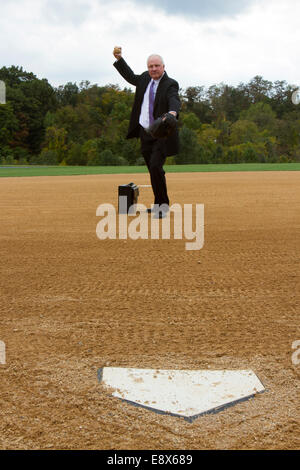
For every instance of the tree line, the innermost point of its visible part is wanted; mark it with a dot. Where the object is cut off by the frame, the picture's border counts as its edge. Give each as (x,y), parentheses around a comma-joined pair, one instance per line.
(86,124)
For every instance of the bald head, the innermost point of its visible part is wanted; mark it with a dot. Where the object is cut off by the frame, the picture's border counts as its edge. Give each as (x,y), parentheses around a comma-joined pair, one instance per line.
(156,66)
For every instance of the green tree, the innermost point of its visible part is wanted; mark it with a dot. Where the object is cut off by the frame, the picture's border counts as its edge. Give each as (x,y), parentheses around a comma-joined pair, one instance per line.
(191,121)
(91,150)
(189,148)
(259,89)
(262,114)
(75,155)
(8,124)
(55,140)
(67,94)
(243,131)
(31,98)
(208,136)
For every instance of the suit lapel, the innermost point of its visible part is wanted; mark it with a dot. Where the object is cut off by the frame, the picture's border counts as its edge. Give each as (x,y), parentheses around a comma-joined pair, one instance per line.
(145,83)
(159,88)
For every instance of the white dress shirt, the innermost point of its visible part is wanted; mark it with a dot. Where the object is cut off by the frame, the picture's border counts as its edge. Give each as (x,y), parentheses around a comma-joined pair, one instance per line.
(144,116)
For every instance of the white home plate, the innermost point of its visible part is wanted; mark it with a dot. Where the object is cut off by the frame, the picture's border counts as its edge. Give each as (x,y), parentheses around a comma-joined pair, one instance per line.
(185,393)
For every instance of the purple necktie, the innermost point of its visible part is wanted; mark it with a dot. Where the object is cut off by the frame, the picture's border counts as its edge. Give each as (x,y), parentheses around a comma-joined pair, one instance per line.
(151,103)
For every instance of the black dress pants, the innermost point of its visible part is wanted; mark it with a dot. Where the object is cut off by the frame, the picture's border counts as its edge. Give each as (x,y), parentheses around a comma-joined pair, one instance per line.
(154,153)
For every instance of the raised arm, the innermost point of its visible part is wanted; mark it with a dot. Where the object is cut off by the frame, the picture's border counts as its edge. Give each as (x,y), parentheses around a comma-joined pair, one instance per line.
(123,68)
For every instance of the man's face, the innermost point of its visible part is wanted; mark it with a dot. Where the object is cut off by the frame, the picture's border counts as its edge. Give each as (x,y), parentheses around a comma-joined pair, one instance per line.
(155,67)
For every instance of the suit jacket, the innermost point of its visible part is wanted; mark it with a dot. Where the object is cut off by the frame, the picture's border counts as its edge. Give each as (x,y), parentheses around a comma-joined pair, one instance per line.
(166,99)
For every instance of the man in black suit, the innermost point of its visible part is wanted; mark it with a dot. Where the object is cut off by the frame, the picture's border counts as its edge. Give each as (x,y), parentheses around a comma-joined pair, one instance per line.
(156,94)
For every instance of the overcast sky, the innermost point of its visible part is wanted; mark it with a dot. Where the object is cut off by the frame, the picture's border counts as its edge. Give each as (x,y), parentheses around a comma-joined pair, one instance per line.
(203,42)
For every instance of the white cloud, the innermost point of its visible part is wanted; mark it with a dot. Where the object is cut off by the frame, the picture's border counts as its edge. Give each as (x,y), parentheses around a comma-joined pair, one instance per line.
(73,41)
(200,8)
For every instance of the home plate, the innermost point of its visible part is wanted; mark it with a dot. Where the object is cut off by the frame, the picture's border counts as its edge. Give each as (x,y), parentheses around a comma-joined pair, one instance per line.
(183,393)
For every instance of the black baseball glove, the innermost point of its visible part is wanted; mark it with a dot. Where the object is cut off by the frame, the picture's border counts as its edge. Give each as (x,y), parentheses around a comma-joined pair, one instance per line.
(163,126)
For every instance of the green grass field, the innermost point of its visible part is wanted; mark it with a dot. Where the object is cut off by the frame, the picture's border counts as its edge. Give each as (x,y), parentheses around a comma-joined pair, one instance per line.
(10,171)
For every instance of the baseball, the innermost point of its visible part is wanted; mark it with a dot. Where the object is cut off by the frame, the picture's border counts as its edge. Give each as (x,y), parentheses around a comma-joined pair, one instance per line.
(296,97)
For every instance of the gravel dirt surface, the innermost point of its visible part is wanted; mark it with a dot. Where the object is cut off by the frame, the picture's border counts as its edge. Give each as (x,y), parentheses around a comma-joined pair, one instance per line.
(71,304)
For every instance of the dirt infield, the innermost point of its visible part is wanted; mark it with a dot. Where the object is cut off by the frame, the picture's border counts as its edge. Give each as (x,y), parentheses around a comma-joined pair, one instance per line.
(71,304)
